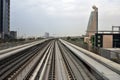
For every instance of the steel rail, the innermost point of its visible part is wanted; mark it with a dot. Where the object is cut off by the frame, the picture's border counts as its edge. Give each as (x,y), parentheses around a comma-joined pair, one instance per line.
(41,77)
(51,69)
(80,71)
(61,70)
(39,67)
(68,66)
(29,66)
(12,67)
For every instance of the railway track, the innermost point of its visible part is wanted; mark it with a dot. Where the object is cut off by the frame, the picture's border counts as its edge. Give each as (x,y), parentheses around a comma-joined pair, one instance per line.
(49,60)
(77,67)
(61,66)
(10,65)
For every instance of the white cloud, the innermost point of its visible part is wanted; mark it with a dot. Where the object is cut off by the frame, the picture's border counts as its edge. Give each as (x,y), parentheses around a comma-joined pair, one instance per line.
(60,7)
(62,15)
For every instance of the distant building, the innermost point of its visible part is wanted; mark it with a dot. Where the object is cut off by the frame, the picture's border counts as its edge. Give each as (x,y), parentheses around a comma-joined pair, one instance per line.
(107,40)
(4,18)
(116,27)
(13,34)
(46,35)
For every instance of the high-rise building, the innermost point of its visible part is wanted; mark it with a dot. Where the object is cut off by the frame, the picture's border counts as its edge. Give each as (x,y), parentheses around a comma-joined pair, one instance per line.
(4,18)
(13,34)
(46,35)
(92,27)
(93,22)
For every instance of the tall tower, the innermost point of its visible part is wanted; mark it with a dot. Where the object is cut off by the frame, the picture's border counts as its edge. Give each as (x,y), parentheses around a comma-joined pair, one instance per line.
(93,22)
(4,18)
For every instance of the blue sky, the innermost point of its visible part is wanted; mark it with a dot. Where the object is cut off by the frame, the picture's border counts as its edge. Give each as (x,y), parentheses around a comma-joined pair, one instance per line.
(61,17)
